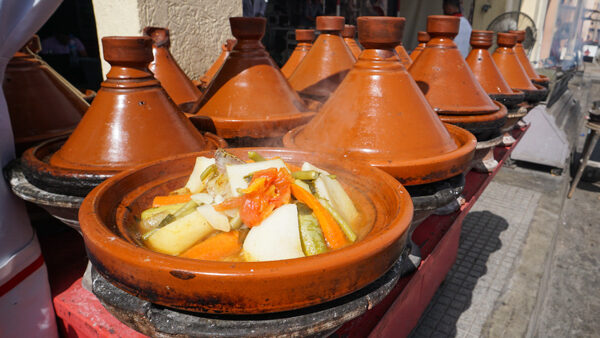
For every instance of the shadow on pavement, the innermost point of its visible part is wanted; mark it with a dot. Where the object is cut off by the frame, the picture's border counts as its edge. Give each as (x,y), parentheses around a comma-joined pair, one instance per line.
(480,237)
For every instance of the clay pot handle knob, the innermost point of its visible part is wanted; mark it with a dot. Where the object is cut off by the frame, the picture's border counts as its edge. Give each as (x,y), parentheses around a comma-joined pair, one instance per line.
(159,35)
(128,50)
(248,28)
(380,32)
(423,37)
(507,40)
(443,25)
(34,44)
(482,39)
(349,31)
(305,35)
(520,35)
(330,23)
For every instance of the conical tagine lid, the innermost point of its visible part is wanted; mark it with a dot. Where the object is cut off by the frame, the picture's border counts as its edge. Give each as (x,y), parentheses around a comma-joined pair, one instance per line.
(132,119)
(444,76)
(379,115)
(212,71)
(41,103)
(507,61)
(522,56)
(305,38)
(485,70)
(166,70)
(327,62)
(423,38)
(348,34)
(404,57)
(483,66)
(249,96)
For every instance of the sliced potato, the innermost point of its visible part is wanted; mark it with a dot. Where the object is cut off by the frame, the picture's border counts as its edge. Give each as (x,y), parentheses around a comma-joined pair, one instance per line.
(180,235)
(216,219)
(237,172)
(194,183)
(277,237)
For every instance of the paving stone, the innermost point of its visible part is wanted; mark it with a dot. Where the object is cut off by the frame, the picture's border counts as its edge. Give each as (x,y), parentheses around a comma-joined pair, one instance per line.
(491,240)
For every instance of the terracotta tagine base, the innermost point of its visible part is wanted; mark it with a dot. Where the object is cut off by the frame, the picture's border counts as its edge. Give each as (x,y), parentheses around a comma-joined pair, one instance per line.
(483,127)
(537,95)
(249,97)
(239,288)
(510,101)
(59,190)
(320,320)
(544,82)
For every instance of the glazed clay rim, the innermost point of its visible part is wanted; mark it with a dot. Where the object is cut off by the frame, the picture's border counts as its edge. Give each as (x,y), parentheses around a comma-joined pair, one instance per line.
(421,170)
(101,241)
(275,126)
(32,160)
(499,114)
(540,79)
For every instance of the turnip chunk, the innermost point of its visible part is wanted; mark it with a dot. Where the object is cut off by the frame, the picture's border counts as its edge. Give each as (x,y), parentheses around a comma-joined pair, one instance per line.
(277,237)
(194,183)
(202,198)
(331,190)
(237,172)
(216,219)
(178,236)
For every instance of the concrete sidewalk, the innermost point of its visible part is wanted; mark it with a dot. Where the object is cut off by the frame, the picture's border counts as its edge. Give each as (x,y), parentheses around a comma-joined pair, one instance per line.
(527,263)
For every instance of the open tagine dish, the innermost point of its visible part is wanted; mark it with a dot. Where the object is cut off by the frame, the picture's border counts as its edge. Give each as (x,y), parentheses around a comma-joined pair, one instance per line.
(245,231)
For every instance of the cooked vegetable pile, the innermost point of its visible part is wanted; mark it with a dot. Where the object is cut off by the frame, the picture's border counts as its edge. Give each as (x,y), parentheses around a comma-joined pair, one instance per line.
(259,210)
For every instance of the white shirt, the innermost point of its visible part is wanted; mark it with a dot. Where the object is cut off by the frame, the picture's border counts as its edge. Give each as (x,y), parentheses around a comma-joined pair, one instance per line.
(463,37)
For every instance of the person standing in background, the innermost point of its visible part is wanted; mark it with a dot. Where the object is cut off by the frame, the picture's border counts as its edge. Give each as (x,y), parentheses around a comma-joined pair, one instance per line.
(452,7)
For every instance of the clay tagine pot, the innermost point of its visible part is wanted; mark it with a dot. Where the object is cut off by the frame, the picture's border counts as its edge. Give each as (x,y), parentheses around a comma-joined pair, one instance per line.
(349,33)
(379,116)
(249,97)
(166,70)
(206,79)
(305,38)
(131,121)
(242,287)
(522,55)
(513,72)
(439,67)
(325,65)
(487,73)
(41,103)
(423,38)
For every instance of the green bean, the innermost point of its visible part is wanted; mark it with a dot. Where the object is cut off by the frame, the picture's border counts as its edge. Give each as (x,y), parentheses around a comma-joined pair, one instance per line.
(333,177)
(306,175)
(346,229)
(210,171)
(186,209)
(311,235)
(256,157)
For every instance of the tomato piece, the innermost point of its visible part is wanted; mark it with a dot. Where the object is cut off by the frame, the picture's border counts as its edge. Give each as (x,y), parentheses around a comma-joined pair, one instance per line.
(268,190)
